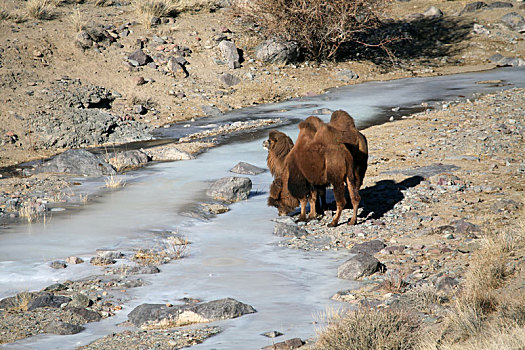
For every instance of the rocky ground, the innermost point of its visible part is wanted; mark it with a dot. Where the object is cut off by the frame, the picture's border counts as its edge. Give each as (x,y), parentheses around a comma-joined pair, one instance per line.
(437,181)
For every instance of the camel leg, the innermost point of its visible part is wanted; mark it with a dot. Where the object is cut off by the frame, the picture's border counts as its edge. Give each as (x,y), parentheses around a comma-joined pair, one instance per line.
(313,201)
(353,190)
(339,194)
(302,216)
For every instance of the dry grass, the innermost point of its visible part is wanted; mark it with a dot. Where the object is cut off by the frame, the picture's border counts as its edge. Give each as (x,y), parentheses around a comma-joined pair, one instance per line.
(422,298)
(40,9)
(115,181)
(368,329)
(147,9)
(28,212)
(172,248)
(102,3)
(78,20)
(395,282)
(4,14)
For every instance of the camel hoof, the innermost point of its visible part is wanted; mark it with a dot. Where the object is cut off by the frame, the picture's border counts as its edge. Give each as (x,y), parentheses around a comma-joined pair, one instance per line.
(332,224)
(352,222)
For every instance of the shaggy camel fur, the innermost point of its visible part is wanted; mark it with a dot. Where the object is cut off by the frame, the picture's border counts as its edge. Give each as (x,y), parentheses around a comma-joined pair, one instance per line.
(318,158)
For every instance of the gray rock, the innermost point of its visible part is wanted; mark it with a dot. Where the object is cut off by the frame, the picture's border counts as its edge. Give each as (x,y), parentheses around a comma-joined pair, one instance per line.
(230,53)
(55,287)
(358,266)
(433,12)
(285,227)
(230,189)
(139,109)
(73,260)
(274,51)
(79,300)
(167,153)
(101,261)
(370,247)
(446,283)
(76,161)
(47,300)
(500,5)
(464,227)
(229,79)
(473,6)
(176,68)
(346,75)
(246,169)
(62,328)
(288,344)
(134,270)
(84,40)
(127,159)
(152,314)
(86,314)
(514,21)
(58,264)
(211,110)
(110,254)
(138,58)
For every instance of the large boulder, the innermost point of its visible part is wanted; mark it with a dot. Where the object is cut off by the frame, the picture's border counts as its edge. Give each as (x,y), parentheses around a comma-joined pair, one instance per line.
(230,189)
(285,227)
(370,247)
(127,159)
(77,161)
(274,51)
(230,53)
(360,265)
(62,328)
(161,314)
(514,21)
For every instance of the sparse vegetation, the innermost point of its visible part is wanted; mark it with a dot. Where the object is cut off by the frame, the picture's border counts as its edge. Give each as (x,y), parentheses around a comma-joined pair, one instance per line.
(102,3)
(4,14)
(28,212)
(39,9)
(368,329)
(172,248)
(148,9)
(78,21)
(115,181)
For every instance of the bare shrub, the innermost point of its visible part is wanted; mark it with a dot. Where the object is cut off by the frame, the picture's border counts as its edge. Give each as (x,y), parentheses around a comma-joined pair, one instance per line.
(4,14)
(422,298)
(368,329)
(320,27)
(148,9)
(39,9)
(103,3)
(78,21)
(114,181)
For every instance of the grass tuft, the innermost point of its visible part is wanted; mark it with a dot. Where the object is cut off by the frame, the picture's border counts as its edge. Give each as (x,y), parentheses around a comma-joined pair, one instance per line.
(148,9)
(40,9)
(172,248)
(115,181)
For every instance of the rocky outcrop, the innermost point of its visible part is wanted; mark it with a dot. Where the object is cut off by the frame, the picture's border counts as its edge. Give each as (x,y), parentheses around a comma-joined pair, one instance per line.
(358,266)
(76,161)
(230,189)
(274,51)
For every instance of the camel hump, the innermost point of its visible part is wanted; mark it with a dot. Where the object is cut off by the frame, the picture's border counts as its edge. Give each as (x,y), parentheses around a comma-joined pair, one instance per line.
(342,120)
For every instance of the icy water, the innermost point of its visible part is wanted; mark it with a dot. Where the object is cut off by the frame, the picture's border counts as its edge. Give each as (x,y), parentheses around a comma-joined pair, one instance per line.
(233,255)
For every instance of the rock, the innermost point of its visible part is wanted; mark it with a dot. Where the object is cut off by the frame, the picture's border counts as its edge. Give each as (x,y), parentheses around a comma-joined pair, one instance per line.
(274,51)
(446,283)
(73,260)
(229,79)
(514,21)
(162,314)
(176,68)
(473,6)
(58,264)
(346,75)
(47,300)
(139,81)
(138,58)
(272,334)
(246,169)
(211,111)
(55,287)
(62,328)
(370,247)
(433,12)
(466,228)
(230,189)
(289,344)
(500,5)
(86,314)
(167,153)
(230,53)
(155,21)
(358,266)
(101,261)
(285,227)
(84,40)
(139,109)
(76,161)
(127,159)
(393,249)
(127,270)
(79,300)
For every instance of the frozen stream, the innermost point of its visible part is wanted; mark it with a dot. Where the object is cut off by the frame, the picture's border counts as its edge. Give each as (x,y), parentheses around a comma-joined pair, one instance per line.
(232,255)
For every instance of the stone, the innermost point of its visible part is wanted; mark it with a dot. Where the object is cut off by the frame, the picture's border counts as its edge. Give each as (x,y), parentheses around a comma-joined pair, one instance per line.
(229,79)
(101,261)
(139,81)
(127,159)
(167,153)
(55,287)
(84,40)
(79,300)
(138,58)
(110,254)
(289,344)
(62,328)
(76,161)
(86,314)
(246,169)
(230,189)
(286,227)
(58,264)
(211,110)
(276,51)
(370,247)
(466,228)
(473,6)
(272,334)
(168,315)
(446,283)
(139,109)
(514,21)
(360,265)
(433,12)
(230,53)
(346,75)
(500,5)
(73,260)
(176,69)
(47,300)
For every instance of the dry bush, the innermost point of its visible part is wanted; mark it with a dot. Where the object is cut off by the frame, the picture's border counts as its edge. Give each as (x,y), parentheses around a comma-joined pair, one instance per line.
(148,9)
(115,181)
(39,9)
(369,329)
(28,212)
(320,27)
(4,14)
(78,21)
(422,298)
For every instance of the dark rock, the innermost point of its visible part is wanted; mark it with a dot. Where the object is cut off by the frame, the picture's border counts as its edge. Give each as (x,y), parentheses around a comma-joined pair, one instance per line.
(346,75)
(57,287)
(358,266)
(446,283)
(500,5)
(76,161)
(84,40)
(230,189)
(62,328)
(229,79)
(289,344)
(514,21)
(86,314)
(246,169)
(466,228)
(370,247)
(127,159)
(274,51)
(155,21)
(177,69)
(230,53)
(139,58)
(79,300)
(139,109)
(58,264)
(139,81)
(272,334)
(181,314)
(101,261)
(47,300)
(473,6)
(286,227)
